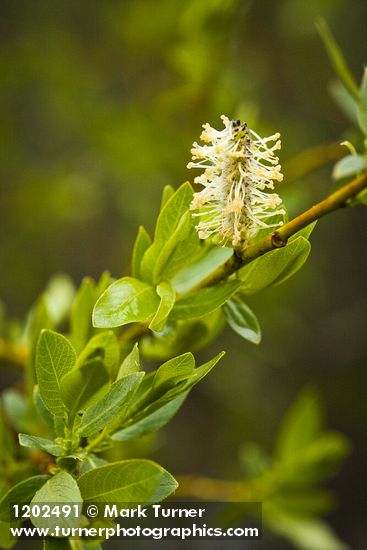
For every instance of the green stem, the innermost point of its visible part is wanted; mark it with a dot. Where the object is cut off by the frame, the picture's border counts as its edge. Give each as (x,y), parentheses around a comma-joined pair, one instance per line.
(337,58)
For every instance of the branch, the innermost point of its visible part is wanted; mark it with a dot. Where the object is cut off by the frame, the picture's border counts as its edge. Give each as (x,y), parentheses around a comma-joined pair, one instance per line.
(16,354)
(279,238)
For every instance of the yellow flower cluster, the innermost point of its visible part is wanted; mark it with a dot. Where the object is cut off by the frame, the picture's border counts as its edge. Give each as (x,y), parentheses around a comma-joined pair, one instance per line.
(240,168)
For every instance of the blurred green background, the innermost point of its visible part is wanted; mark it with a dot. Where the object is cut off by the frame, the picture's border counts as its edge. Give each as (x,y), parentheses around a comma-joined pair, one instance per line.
(100,102)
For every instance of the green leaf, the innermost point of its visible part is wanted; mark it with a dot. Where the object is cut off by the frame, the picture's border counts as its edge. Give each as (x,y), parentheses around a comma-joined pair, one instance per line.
(168,385)
(82,386)
(362,107)
(131,363)
(47,445)
(204,301)
(111,405)
(170,372)
(346,102)
(128,481)
(167,193)
(59,489)
(167,295)
(168,220)
(59,296)
(182,384)
(361,198)
(103,282)
(200,372)
(92,461)
(305,232)
(103,346)
(349,166)
(178,251)
(167,377)
(275,267)
(177,336)
(191,276)
(336,57)
(305,533)
(302,423)
(181,232)
(43,412)
(151,423)
(317,461)
(142,243)
(184,253)
(22,493)
(170,215)
(81,311)
(127,300)
(305,454)
(148,262)
(363,87)
(254,461)
(173,371)
(275,221)
(54,358)
(17,410)
(362,116)
(38,319)
(59,426)
(242,319)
